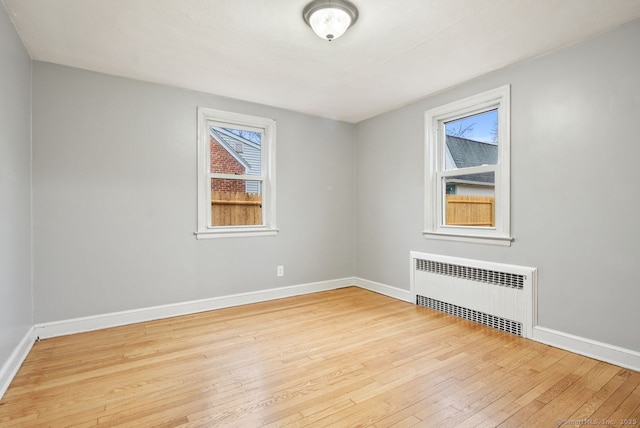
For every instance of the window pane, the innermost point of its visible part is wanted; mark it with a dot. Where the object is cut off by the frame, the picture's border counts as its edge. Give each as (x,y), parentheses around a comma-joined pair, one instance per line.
(236,202)
(235,151)
(470,200)
(472,141)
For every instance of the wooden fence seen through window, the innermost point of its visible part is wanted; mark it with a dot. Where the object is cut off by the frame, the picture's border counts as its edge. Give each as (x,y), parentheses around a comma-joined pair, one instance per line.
(236,209)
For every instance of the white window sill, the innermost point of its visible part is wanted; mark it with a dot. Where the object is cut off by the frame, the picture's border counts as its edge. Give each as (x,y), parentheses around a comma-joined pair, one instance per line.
(235,233)
(462,237)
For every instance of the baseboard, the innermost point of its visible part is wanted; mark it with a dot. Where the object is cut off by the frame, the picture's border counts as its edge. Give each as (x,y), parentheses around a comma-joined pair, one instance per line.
(11,366)
(589,348)
(114,319)
(387,290)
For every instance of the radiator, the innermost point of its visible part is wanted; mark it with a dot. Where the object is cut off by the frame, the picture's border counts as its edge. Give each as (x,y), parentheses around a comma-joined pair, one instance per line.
(493,294)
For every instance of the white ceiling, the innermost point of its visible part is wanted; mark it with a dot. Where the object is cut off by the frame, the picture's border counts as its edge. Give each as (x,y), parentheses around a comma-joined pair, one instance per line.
(262,51)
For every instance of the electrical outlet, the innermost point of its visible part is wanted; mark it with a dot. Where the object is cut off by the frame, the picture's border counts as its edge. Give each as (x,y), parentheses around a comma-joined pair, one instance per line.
(280,271)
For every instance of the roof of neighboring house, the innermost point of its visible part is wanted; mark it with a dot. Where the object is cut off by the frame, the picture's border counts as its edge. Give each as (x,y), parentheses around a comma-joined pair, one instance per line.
(240,148)
(468,153)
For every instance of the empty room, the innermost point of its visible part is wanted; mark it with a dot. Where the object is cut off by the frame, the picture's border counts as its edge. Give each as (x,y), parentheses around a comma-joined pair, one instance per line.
(321,213)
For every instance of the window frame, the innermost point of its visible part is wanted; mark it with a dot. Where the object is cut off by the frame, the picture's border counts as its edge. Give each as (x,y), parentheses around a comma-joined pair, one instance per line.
(268,173)
(435,171)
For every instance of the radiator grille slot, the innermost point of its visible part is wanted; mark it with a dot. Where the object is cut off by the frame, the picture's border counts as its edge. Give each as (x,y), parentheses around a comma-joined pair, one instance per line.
(489,320)
(503,279)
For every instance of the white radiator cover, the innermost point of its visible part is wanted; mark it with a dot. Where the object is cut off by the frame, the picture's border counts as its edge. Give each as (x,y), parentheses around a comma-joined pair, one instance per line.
(494,294)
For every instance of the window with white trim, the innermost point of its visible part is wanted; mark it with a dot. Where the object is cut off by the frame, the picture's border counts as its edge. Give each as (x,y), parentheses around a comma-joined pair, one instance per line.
(467,176)
(236,174)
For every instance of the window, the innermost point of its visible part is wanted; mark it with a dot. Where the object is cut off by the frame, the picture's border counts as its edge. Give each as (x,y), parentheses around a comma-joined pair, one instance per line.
(236,175)
(467,169)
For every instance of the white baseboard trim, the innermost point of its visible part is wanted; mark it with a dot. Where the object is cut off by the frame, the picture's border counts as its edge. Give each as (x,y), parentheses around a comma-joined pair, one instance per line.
(11,366)
(387,290)
(114,319)
(589,348)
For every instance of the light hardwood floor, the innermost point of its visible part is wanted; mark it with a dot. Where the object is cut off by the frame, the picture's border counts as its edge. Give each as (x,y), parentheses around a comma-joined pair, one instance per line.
(341,358)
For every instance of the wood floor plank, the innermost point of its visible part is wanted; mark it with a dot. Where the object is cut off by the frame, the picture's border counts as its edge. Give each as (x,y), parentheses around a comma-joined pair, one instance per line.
(499,410)
(345,357)
(613,402)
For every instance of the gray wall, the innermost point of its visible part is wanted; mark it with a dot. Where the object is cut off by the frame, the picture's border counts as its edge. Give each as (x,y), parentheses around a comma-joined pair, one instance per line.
(575,186)
(15,190)
(114,188)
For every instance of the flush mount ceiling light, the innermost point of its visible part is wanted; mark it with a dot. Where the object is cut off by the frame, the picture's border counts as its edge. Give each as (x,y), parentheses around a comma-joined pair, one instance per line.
(329,19)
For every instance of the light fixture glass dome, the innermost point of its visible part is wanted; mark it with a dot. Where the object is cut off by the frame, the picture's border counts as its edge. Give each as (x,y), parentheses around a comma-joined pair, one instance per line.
(330,23)
(330,19)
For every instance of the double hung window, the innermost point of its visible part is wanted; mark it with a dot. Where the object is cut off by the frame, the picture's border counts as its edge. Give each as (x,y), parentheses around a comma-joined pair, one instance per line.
(467,175)
(236,174)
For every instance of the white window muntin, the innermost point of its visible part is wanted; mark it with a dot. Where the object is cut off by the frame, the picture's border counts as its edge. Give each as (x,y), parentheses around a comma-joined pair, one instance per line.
(267,128)
(435,153)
